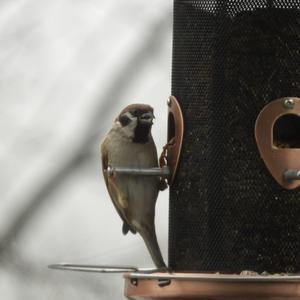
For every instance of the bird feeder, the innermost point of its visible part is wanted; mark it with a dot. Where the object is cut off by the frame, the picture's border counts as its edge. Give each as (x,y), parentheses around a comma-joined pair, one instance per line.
(234,219)
(234,229)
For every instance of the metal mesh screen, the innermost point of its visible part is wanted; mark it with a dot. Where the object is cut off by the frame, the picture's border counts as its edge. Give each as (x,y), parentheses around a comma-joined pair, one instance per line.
(231,58)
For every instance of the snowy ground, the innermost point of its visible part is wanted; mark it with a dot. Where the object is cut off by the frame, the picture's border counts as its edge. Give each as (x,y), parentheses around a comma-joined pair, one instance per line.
(66,69)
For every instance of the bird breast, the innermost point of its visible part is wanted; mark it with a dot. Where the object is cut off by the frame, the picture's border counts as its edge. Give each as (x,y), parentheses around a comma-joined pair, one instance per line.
(140,191)
(124,153)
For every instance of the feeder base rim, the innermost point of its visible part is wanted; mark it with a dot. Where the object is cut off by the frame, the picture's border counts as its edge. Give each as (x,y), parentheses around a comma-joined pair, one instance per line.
(205,286)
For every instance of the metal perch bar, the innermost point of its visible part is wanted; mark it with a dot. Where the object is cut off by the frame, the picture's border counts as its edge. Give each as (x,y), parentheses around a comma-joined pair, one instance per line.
(100,268)
(291,175)
(162,172)
(93,268)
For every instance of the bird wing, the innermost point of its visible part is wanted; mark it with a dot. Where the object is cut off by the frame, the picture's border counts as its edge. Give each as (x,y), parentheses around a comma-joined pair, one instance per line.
(119,200)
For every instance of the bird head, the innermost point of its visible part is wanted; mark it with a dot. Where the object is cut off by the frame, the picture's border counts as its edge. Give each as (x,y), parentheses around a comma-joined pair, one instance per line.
(136,121)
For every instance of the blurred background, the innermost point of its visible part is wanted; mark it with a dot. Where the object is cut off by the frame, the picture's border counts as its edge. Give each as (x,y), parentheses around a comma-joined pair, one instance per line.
(66,70)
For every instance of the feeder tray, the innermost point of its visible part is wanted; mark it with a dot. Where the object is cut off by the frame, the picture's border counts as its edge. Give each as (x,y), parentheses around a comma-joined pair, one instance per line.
(147,283)
(211,286)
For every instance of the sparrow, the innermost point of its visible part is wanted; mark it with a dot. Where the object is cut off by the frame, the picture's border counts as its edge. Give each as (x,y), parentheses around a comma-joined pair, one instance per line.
(129,144)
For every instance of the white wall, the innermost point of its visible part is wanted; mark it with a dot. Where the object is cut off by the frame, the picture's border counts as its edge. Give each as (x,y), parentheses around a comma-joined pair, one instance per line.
(66,69)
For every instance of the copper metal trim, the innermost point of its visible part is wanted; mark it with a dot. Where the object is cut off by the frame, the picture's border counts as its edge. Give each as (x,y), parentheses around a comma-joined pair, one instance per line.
(213,277)
(211,286)
(172,150)
(277,160)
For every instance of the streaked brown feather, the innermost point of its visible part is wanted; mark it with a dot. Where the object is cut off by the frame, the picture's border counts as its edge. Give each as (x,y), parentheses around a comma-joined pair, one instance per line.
(119,201)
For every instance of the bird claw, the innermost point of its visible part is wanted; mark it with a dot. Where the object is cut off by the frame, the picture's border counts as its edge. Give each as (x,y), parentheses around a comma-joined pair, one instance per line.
(162,184)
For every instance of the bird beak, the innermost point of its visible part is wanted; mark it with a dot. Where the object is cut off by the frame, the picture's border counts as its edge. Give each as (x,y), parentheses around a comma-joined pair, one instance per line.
(147,118)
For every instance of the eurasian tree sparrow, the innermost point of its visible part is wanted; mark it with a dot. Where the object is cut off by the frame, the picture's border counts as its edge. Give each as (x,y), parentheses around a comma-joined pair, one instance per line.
(129,144)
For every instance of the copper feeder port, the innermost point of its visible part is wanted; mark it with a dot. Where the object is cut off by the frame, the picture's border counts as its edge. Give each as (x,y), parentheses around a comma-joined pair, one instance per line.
(277,137)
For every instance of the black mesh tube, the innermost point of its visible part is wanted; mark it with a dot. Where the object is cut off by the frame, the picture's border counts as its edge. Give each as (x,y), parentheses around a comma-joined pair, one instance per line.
(227,213)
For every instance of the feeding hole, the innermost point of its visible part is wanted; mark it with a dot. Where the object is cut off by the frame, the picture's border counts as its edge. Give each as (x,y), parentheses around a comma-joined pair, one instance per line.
(171,131)
(286,131)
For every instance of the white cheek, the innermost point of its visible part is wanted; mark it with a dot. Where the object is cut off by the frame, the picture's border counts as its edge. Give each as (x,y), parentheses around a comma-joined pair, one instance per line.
(128,130)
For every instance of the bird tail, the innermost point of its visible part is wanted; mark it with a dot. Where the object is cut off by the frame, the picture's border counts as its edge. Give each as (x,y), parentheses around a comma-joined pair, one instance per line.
(149,237)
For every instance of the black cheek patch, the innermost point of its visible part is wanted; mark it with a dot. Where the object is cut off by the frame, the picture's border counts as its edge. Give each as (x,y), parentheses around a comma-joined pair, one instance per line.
(124,120)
